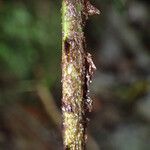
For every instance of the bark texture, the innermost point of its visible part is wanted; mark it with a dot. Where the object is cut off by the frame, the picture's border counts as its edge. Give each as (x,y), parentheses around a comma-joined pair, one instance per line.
(77,69)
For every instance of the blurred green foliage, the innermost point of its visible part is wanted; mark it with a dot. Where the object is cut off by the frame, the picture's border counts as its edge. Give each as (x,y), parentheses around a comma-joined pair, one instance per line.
(30,41)
(131,93)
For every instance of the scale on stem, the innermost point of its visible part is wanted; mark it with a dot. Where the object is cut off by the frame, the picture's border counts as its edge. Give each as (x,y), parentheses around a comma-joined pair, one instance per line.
(77,70)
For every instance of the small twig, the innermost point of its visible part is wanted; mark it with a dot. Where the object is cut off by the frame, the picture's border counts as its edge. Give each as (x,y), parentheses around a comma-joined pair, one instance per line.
(49,104)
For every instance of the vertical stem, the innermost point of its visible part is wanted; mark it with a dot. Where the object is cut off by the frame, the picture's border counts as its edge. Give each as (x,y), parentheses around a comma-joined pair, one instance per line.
(77,69)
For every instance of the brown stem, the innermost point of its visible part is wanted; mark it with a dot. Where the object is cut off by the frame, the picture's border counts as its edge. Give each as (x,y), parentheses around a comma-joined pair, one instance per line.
(77,69)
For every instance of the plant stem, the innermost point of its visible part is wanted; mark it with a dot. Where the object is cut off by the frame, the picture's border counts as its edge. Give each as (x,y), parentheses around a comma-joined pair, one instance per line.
(77,69)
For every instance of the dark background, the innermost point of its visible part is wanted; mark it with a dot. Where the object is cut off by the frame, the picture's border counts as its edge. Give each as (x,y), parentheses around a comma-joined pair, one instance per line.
(30,75)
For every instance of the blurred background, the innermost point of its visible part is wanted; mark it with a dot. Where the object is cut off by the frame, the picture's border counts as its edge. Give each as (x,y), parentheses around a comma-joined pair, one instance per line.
(30,75)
